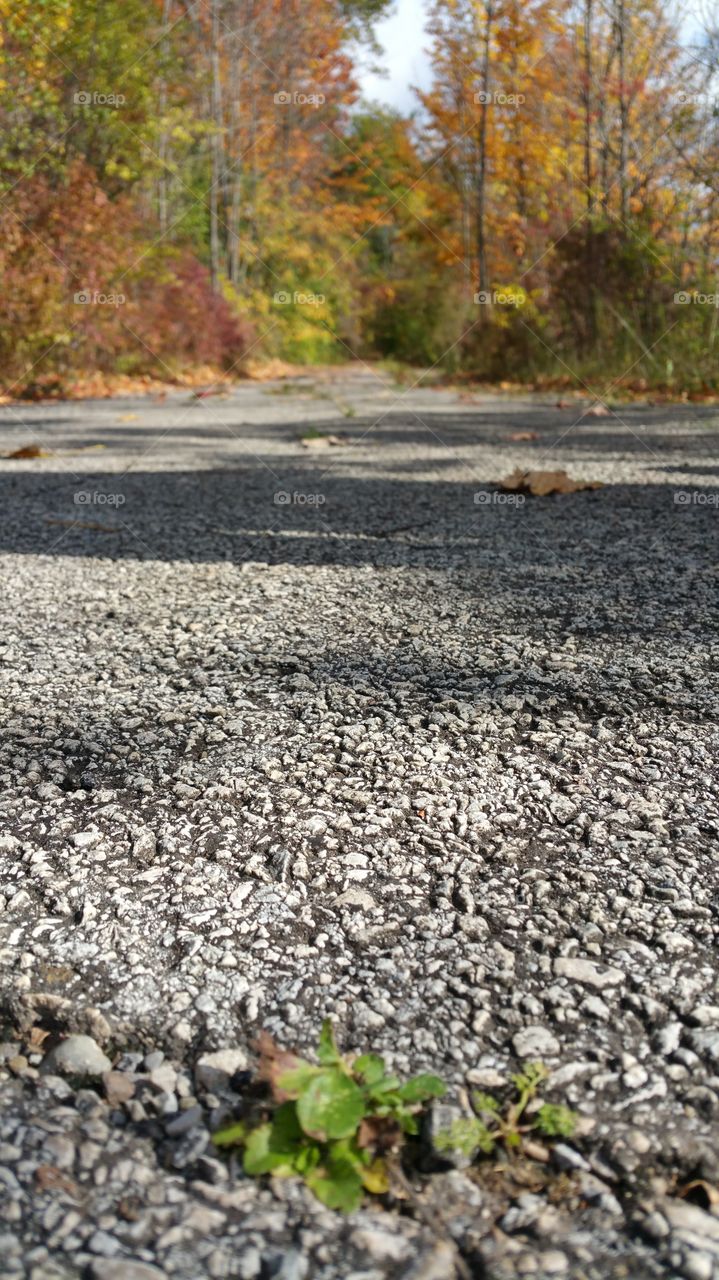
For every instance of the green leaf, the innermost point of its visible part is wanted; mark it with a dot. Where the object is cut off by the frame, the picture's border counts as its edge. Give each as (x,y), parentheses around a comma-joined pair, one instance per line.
(276,1146)
(485,1104)
(407,1122)
(387,1084)
(556,1121)
(327,1051)
(527,1081)
(260,1158)
(420,1088)
(370,1067)
(338,1185)
(233,1135)
(331,1106)
(307,1159)
(286,1128)
(296,1080)
(466,1136)
(346,1150)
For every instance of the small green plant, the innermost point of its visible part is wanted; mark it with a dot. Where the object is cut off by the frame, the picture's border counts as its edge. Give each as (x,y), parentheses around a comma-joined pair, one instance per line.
(336,1124)
(494,1125)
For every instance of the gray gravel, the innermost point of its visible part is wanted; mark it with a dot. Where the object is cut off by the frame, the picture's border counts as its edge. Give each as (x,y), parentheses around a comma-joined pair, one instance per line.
(387,748)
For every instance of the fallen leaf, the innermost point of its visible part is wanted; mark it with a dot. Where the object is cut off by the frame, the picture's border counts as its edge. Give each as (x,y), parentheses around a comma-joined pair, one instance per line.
(274,1063)
(28,451)
(523,435)
(128,417)
(702,1193)
(541,483)
(379,1134)
(35,1037)
(563,404)
(50,1178)
(597,411)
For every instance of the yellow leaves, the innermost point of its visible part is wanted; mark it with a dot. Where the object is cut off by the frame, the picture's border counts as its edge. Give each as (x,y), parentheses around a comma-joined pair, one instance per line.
(116,169)
(375,1178)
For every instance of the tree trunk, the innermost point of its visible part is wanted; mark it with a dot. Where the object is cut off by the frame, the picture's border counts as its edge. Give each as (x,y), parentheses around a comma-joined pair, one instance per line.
(216,145)
(482,274)
(163,145)
(588,99)
(623,110)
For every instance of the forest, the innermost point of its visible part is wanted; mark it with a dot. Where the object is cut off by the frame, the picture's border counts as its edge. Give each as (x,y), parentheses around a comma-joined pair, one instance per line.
(199,184)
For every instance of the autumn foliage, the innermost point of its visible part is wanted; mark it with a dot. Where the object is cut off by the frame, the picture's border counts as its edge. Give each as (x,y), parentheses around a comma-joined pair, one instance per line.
(185,183)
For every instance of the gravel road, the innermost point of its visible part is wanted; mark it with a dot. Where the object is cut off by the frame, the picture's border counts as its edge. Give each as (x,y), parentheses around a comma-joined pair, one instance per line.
(303,730)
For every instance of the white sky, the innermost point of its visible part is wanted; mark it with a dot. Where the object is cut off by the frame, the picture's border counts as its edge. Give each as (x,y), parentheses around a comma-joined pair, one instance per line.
(403,39)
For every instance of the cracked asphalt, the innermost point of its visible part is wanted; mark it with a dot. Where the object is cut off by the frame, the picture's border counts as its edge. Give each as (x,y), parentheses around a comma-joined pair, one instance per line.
(294,730)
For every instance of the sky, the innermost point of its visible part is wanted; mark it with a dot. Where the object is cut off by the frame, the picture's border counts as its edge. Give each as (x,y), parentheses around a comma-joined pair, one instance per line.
(403,38)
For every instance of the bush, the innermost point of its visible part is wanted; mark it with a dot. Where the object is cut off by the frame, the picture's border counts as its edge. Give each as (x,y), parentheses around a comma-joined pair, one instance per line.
(59,240)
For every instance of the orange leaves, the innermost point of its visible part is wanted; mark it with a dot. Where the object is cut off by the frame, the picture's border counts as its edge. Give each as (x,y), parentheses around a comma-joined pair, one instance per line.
(28,451)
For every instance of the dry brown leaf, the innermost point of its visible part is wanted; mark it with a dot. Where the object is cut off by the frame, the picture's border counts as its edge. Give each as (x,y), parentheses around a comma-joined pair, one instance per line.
(379,1133)
(50,1178)
(28,451)
(701,1192)
(127,417)
(36,1037)
(523,435)
(563,404)
(274,1062)
(541,483)
(597,411)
